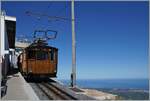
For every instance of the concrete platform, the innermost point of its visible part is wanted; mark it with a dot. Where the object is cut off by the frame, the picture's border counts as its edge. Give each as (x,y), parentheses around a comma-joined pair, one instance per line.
(18,89)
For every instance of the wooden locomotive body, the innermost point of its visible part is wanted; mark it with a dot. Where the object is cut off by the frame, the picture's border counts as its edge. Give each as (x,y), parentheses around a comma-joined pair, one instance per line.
(38,59)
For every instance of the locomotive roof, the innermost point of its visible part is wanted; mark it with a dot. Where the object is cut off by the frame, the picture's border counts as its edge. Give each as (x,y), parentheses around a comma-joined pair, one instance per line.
(40,44)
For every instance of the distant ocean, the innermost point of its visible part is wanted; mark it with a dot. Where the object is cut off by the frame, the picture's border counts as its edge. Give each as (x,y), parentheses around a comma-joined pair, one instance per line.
(112,83)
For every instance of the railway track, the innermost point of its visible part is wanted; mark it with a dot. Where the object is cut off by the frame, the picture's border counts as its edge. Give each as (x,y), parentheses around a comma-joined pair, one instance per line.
(53,92)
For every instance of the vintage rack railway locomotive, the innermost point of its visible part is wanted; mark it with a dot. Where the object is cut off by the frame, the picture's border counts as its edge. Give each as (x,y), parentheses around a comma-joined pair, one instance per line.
(39,59)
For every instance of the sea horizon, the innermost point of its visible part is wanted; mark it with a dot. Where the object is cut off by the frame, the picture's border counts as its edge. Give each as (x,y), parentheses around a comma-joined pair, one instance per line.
(125,83)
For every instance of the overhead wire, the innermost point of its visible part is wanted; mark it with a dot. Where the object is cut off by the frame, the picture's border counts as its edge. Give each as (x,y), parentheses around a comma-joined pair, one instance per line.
(62,10)
(59,12)
(52,18)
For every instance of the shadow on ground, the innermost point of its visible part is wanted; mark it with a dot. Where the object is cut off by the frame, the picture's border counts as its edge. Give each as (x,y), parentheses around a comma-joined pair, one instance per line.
(37,79)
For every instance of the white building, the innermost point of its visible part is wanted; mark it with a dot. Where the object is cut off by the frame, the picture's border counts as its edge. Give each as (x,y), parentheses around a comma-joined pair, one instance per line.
(7,45)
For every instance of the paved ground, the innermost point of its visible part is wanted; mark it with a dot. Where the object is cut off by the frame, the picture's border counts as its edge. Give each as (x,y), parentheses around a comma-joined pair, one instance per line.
(18,89)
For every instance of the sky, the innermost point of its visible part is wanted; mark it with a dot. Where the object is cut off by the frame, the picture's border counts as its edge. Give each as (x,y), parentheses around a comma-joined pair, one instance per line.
(111,37)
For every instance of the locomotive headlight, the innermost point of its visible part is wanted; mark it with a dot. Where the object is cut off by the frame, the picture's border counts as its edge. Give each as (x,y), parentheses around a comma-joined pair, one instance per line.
(30,70)
(55,70)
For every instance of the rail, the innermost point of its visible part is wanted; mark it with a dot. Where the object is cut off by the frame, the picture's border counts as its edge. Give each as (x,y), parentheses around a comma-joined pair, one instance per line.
(53,92)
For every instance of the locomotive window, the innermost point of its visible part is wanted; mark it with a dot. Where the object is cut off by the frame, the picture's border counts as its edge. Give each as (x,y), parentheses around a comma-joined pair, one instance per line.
(52,55)
(31,54)
(41,55)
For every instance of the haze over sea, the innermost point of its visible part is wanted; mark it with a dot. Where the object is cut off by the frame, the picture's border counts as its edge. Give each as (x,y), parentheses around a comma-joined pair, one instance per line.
(112,83)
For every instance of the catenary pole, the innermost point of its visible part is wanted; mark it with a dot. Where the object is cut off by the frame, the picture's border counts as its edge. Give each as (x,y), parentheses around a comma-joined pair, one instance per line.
(73,74)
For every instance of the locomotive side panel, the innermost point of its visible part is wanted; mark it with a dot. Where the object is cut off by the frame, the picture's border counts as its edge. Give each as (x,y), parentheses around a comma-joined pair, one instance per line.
(55,61)
(24,62)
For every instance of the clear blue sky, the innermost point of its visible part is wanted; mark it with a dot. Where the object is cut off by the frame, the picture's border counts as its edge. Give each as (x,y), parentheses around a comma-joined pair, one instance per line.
(112,37)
